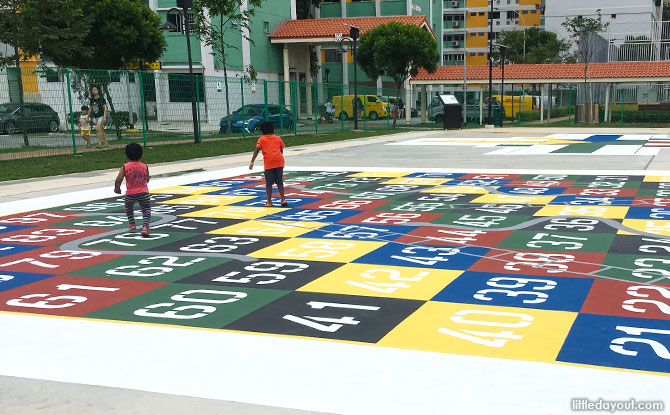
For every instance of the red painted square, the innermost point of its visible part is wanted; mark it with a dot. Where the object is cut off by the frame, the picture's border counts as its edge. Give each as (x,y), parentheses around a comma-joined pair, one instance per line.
(72,296)
(391,218)
(489,176)
(454,237)
(556,264)
(261,185)
(37,218)
(601,192)
(651,202)
(51,260)
(345,204)
(541,183)
(291,192)
(48,235)
(628,299)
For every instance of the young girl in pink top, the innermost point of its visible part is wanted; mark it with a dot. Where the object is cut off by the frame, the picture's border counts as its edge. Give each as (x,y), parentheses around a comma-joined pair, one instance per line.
(136,174)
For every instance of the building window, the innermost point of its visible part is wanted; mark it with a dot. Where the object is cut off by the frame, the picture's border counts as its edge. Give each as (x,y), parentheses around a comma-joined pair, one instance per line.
(613,16)
(266,27)
(332,56)
(177,20)
(180,88)
(51,76)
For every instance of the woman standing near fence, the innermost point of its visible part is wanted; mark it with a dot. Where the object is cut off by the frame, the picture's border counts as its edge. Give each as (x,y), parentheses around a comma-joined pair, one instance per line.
(99,115)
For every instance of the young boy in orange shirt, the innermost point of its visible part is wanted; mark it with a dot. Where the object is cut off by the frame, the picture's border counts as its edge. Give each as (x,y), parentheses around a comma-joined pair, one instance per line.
(272,147)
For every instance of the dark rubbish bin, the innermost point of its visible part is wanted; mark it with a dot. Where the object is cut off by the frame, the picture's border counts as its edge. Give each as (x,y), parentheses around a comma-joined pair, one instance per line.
(453,112)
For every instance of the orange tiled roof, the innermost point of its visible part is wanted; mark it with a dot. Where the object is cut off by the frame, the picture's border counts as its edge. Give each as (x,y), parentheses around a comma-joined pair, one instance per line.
(327,28)
(551,71)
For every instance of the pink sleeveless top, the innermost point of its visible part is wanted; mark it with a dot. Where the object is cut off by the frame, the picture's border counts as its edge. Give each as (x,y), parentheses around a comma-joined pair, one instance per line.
(136,174)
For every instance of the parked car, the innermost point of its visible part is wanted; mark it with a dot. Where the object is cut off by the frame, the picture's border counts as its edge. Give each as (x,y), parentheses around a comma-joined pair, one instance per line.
(375,106)
(38,117)
(250,116)
(472,112)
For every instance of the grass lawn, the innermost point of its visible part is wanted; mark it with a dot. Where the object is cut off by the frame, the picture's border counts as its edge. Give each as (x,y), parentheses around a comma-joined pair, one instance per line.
(114,158)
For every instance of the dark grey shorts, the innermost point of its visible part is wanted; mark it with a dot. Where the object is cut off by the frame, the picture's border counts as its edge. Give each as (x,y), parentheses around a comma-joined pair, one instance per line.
(273,176)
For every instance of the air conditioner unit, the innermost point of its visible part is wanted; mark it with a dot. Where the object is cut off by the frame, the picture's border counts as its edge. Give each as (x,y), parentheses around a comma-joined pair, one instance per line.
(455,44)
(516,21)
(456,23)
(455,4)
(510,21)
(497,22)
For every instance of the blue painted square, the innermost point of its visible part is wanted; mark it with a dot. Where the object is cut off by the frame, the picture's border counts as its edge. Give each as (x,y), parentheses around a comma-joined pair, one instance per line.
(313,215)
(604,341)
(601,138)
(12,228)
(546,293)
(436,175)
(276,201)
(11,279)
(424,256)
(531,191)
(360,232)
(641,212)
(222,183)
(591,200)
(476,182)
(242,191)
(6,249)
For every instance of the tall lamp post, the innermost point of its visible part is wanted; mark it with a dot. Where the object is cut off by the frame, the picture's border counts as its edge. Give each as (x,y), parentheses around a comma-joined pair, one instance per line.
(490,122)
(354,34)
(185,5)
(503,52)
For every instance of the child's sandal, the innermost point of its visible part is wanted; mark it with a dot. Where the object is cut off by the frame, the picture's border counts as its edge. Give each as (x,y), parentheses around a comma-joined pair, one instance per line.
(268,204)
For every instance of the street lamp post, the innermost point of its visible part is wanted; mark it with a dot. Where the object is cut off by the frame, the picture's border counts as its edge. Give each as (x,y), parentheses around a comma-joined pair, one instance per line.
(503,52)
(185,5)
(490,61)
(354,34)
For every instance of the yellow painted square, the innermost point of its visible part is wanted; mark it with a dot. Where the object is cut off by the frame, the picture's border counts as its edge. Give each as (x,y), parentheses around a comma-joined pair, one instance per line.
(657,227)
(328,250)
(658,179)
(610,212)
(234,212)
(379,174)
(458,189)
(422,181)
(383,281)
(269,228)
(208,200)
(527,200)
(187,190)
(500,332)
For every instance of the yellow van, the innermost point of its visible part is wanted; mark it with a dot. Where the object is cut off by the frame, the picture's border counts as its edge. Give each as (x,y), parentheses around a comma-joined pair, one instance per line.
(375,106)
(515,103)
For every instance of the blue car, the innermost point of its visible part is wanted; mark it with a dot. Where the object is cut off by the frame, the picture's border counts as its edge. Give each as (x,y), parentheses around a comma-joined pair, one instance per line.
(249,117)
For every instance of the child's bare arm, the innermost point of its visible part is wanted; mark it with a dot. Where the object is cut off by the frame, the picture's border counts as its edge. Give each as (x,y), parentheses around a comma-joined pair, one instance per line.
(253,158)
(148,175)
(119,180)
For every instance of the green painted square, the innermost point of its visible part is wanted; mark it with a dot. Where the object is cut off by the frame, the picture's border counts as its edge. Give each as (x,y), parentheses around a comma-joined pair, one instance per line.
(110,221)
(369,195)
(133,241)
(190,305)
(483,222)
(418,206)
(653,193)
(581,148)
(636,268)
(557,241)
(166,268)
(340,187)
(93,206)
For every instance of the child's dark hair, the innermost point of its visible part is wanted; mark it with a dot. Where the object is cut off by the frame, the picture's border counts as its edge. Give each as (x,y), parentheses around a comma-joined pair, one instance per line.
(84,107)
(134,152)
(267,127)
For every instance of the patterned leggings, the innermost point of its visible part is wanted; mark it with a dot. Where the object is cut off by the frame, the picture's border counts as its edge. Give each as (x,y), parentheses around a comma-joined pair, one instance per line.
(145,206)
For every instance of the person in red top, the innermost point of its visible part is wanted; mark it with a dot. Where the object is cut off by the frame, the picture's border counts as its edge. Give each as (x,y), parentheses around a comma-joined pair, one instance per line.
(272,147)
(136,174)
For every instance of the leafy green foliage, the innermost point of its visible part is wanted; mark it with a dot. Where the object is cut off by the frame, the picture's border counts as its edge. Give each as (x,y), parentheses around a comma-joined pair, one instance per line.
(540,47)
(581,29)
(398,51)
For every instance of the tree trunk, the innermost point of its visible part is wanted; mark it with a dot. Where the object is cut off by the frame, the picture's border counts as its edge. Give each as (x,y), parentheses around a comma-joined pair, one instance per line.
(587,110)
(397,105)
(17,62)
(225,82)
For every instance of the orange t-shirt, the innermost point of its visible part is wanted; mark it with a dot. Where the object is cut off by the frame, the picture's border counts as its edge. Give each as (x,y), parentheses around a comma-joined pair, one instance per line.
(271,146)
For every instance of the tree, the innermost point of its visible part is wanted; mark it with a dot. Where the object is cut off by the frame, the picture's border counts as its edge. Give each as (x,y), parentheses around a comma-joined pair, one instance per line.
(122,32)
(213,20)
(582,29)
(398,51)
(534,45)
(48,29)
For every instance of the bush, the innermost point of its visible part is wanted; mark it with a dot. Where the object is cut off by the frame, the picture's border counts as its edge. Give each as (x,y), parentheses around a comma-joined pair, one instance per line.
(535,115)
(118,117)
(641,116)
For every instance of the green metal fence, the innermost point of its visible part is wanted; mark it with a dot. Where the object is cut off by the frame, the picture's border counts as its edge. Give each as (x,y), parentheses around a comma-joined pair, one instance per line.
(155,108)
